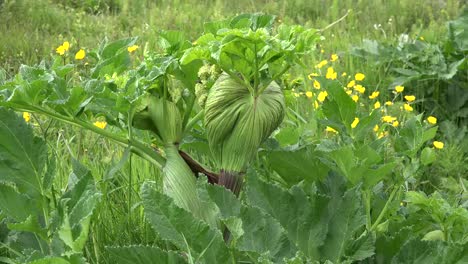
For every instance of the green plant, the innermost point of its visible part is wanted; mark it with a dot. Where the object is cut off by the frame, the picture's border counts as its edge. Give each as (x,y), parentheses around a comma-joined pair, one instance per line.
(334,182)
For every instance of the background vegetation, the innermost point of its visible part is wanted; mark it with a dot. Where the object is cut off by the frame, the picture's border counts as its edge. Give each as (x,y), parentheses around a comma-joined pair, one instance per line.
(30,30)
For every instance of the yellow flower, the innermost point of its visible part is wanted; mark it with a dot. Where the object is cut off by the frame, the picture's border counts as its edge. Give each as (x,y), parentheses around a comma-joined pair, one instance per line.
(421,38)
(374,95)
(132,48)
(351,84)
(322,95)
(399,88)
(349,92)
(322,51)
(395,123)
(377,105)
(361,89)
(438,144)
(344,74)
(100,124)
(432,120)
(26,117)
(359,76)
(355,122)
(60,50)
(408,107)
(80,54)
(310,76)
(331,74)
(321,64)
(309,94)
(355,98)
(316,84)
(388,119)
(389,103)
(316,105)
(376,128)
(334,57)
(330,129)
(66,45)
(382,134)
(410,98)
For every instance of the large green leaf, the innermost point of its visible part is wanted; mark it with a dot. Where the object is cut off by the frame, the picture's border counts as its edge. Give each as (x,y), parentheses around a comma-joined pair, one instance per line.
(304,218)
(416,251)
(178,226)
(139,254)
(22,155)
(264,235)
(77,207)
(298,165)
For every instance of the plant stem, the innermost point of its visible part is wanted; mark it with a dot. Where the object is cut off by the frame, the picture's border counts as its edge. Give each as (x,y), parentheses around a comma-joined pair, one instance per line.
(384,210)
(138,147)
(194,120)
(367,200)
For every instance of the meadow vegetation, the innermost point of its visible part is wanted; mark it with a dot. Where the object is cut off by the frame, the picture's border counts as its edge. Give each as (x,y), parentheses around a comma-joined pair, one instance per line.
(353,150)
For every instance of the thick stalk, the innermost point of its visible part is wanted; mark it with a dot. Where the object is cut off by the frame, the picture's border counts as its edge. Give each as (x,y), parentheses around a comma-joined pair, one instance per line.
(180,184)
(232,181)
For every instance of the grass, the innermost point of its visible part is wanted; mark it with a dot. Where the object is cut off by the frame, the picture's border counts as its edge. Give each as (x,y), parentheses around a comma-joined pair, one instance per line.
(31,29)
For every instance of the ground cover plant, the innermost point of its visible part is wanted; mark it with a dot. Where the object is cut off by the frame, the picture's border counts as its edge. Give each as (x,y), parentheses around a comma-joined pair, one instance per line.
(246,144)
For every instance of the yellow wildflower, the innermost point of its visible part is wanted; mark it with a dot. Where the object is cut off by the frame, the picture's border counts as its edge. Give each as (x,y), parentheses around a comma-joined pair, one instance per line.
(361,89)
(66,45)
(26,117)
(316,84)
(438,144)
(351,84)
(410,98)
(382,134)
(60,50)
(376,128)
(331,74)
(355,122)
(321,64)
(344,74)
(80,54)
(377,105)
(355,98)
(132,48)
(322,95)
(421,38)
(374,95)
(334,57)
(388,119)
(399,88)
(349,92)
(322,51)
(100,124)
(389,103)
(316,105)
(330,129)
(309,94)
(408,107)
(432,120)
(359,76)
(395,123)
(310,76)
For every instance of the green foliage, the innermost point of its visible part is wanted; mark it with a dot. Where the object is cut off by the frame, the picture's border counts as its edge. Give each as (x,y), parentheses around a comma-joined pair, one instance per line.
(61,226)
(338,182)
(437,71)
